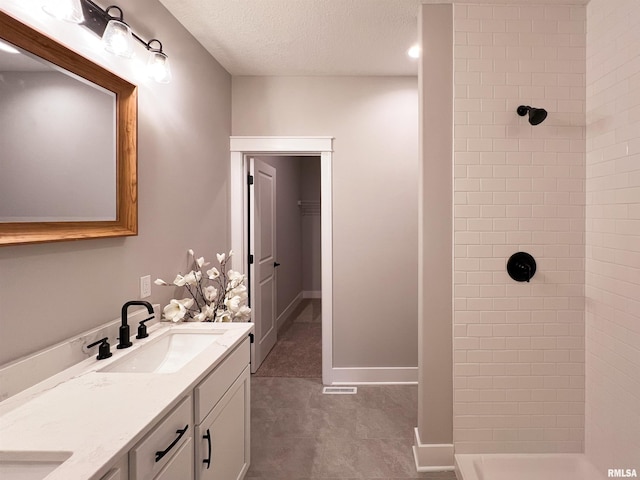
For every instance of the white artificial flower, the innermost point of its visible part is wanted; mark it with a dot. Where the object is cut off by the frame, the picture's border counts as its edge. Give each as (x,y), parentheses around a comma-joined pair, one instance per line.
(201,263)
(210,293)
(233,307)
(243,314)
(177,309)
(209,312)
(232,303)
(233,275)
(180,281)
(238,291)
(235,279)
(192,278)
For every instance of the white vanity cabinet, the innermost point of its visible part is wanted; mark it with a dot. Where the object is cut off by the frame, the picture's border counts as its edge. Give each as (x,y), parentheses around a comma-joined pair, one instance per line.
(222,409)
(167,446)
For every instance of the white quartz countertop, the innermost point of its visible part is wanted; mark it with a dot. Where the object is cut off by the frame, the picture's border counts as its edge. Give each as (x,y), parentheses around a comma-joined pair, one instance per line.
(98,416)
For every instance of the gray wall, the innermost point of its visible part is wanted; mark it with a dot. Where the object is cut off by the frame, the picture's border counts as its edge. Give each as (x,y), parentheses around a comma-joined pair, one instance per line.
(50,292)
(288,230)
(375,164)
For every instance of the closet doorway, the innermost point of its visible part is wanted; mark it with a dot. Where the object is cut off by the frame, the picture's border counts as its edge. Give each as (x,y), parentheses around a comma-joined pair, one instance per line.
(243,149)
(285,217)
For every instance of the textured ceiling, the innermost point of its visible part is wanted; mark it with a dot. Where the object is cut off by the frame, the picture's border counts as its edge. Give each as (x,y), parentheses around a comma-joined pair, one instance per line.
(311,37)
(304,37)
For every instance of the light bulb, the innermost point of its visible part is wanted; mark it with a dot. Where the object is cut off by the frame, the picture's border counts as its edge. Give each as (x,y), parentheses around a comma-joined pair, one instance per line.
(158,67)
(67,10)
(117,39)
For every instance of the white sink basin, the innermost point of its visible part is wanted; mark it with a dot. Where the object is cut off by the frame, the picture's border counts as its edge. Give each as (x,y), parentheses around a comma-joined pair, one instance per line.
(168,353)
(30,465)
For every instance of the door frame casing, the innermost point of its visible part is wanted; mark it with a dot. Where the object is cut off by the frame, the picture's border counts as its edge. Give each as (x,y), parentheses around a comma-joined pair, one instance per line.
(240,147)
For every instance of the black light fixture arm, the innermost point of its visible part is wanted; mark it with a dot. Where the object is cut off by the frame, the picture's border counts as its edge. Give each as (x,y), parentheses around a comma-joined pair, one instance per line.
(151,49)
(120,16)
(96,20)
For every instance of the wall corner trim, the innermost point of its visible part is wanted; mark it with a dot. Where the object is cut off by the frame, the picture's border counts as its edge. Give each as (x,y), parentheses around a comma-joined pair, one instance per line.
(432,457)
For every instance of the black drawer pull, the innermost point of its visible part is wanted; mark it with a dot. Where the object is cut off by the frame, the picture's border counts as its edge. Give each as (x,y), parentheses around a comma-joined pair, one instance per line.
(207,437)
(180,433)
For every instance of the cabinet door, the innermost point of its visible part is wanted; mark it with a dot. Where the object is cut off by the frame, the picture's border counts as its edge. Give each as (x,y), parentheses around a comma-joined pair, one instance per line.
(223,437)
(180,466)
(119,471)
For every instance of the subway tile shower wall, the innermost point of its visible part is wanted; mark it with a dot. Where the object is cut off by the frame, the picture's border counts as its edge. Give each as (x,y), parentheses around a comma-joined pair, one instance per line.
(613,234)
(519,358)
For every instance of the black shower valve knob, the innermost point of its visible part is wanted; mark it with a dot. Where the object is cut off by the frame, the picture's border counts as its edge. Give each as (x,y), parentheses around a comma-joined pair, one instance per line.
(521,266)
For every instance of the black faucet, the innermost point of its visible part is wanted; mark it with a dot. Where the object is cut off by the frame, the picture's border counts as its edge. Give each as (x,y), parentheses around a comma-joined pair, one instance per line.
(124,328)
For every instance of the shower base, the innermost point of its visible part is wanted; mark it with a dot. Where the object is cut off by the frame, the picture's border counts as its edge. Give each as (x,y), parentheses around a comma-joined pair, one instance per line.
(561,466)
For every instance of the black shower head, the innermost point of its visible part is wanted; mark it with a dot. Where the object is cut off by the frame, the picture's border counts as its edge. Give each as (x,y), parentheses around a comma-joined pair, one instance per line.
(536,115)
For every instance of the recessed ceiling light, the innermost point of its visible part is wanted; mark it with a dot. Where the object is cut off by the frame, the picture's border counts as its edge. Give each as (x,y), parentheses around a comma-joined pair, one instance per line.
(5,47)
(414,52)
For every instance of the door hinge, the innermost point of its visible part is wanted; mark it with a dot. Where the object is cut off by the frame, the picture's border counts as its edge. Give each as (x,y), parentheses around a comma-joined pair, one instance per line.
(251,338)
(250,259)
(250,179)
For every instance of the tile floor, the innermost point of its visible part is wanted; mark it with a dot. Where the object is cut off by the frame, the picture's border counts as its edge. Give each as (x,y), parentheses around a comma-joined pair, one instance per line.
(299,433)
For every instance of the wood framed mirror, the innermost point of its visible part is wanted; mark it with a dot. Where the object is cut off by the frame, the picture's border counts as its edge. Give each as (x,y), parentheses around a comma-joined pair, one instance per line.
(123,197)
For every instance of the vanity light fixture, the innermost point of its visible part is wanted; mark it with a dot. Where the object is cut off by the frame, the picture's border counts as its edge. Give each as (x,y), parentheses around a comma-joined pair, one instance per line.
(117,36)
(67,10)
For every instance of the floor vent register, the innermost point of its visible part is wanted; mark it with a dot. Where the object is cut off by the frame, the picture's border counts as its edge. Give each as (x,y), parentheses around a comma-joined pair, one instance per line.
(340,390)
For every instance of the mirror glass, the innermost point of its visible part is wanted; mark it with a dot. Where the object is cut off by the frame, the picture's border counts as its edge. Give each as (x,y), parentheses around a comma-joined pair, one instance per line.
(58,138)
(68,143)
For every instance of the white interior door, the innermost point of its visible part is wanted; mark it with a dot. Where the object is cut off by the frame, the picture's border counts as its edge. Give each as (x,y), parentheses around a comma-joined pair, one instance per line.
(263,248)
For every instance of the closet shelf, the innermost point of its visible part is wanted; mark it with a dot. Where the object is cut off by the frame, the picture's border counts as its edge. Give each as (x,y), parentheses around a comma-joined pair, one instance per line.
(309,207)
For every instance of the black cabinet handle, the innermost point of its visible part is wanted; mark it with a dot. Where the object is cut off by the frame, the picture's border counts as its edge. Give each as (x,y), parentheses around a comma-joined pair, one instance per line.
(207,437)
(180,433)
(276,264)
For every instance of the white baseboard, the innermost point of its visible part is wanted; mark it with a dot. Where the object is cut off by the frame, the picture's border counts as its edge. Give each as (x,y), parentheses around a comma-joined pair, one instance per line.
(312,294)
(432,457)
(284,316)
(374,375)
